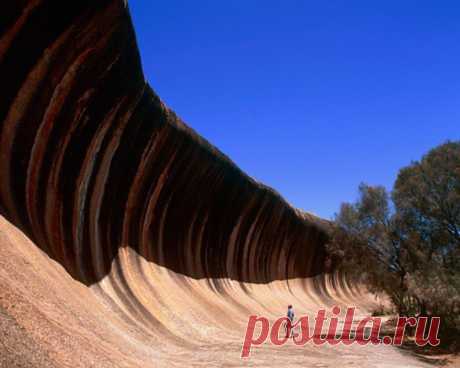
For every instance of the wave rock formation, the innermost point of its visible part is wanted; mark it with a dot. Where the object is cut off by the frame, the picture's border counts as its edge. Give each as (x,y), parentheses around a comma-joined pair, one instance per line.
(126,239)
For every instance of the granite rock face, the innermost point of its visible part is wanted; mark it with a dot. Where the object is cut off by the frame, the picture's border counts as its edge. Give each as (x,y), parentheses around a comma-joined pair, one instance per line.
(91,160)
(126,239)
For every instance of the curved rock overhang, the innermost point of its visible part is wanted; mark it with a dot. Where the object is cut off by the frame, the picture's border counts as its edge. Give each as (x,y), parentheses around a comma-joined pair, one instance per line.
(91,160)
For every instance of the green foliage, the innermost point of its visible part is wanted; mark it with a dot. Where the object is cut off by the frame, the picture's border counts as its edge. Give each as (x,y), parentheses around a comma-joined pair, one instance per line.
(407,244)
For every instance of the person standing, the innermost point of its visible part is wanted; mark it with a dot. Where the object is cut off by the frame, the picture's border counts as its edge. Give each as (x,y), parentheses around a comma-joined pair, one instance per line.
(290,323)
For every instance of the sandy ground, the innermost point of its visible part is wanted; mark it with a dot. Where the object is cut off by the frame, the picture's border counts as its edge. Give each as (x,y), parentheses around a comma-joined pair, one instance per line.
(144,315)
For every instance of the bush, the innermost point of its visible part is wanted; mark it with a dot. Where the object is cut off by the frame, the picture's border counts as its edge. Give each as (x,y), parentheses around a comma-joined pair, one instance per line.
(408,243)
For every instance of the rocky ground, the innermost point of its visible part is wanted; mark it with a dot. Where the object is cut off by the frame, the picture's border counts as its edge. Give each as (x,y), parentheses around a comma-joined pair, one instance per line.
(48,319)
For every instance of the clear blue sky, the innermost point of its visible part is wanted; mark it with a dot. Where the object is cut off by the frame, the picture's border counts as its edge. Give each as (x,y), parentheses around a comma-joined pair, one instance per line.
(310,97)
